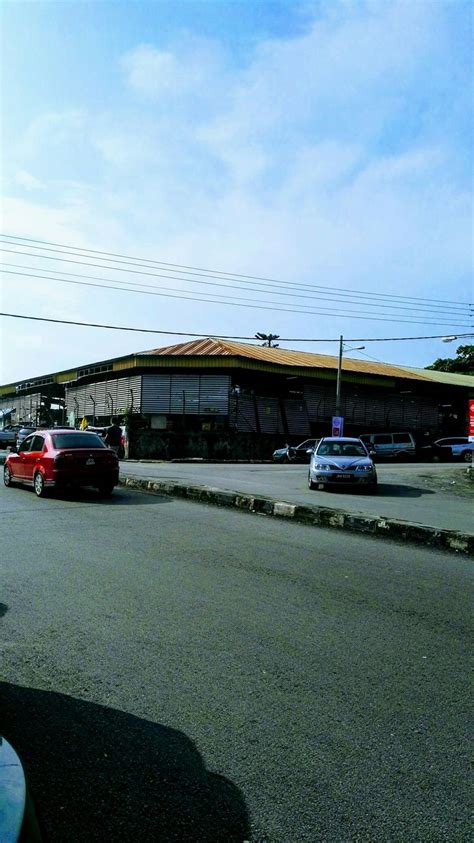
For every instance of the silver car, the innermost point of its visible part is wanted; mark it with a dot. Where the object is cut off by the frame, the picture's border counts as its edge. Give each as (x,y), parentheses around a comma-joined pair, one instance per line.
(339,461)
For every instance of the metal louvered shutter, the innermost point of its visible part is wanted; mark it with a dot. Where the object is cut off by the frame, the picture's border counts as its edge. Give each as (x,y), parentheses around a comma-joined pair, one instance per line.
(128,393)
(156,394)
(185,395)
(269,415)
(214,395)
(242,414)
(296,413)
(320,400)
(104,398)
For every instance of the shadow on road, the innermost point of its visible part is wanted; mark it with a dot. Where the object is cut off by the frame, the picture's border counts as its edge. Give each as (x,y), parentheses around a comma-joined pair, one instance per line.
(101,774)
(119,497)
(384,490)
(398,490)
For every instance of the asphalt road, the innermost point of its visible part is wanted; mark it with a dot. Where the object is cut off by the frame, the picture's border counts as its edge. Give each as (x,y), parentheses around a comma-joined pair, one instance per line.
(421,492)
(178,672)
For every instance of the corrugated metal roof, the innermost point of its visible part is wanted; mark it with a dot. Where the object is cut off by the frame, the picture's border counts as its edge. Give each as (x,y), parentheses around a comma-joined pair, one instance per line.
(284,357)
(214,348)
(453,378)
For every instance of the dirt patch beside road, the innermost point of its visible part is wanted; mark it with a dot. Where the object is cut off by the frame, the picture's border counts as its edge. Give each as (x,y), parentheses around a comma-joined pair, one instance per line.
(450,482)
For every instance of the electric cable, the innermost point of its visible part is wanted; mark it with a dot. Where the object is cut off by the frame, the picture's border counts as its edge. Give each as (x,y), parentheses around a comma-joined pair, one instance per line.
(211,335)
(410,308)
(111,256)
(267,306)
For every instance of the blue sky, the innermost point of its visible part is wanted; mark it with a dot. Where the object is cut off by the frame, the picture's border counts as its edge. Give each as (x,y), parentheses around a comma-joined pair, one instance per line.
(320,143)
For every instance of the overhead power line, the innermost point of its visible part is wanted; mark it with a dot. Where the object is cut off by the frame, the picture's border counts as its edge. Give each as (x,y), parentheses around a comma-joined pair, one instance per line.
(221,336)
(128,261)
(237,302)
(378,306)
(456,311)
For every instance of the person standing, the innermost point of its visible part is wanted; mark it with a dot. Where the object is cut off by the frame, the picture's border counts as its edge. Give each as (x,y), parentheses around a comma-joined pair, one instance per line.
(113,435)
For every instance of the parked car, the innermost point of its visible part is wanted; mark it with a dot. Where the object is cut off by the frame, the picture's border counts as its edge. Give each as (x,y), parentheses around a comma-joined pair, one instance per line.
(23,432)
(431,452)
(391,445)
(457,447)
(340,461)
(18,819)
(298,453)
(8,435)
(58,458)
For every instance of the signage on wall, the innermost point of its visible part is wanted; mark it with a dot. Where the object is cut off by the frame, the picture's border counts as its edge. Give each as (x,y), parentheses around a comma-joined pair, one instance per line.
(337,426)
(470,430)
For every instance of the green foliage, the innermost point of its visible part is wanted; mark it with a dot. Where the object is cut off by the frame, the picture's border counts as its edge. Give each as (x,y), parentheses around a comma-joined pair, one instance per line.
(133,420)
(463,363)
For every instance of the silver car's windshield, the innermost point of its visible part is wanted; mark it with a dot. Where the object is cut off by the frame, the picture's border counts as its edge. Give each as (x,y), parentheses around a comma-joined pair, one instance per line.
(341,449)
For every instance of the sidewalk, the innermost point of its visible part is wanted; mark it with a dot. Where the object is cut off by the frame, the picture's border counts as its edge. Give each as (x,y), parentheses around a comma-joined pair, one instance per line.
(247,488)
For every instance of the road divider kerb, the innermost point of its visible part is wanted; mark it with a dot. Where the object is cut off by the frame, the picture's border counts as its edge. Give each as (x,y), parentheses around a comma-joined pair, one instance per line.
(316,516)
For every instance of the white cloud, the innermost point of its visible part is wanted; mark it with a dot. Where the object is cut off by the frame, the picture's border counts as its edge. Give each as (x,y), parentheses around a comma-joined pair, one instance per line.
(28,180)
(342,61)
(317,161)
(185,70)
(53,128)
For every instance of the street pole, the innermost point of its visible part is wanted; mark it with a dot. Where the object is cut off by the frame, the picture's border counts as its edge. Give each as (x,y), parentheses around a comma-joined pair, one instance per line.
(339,377)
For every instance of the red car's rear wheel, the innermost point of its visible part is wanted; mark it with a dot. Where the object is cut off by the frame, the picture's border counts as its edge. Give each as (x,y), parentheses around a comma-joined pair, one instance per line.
(38,483)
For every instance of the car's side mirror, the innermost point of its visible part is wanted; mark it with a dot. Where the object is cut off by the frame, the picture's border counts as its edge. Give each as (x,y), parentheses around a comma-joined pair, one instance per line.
(372,453)
(310,451)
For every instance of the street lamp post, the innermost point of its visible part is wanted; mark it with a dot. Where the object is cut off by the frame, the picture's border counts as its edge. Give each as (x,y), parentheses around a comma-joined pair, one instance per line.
(339,371)
(339,376)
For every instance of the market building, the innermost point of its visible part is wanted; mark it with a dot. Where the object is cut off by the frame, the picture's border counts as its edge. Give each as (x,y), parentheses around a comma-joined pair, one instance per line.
(211,388)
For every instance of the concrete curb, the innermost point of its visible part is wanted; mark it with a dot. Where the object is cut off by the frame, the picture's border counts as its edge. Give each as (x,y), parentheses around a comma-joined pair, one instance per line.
(316,516)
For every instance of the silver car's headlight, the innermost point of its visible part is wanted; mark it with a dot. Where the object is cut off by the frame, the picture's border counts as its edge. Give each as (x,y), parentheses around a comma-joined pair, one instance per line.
(322,466)
(364,468)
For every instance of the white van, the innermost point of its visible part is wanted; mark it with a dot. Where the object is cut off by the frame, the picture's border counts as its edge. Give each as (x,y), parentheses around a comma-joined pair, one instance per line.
(393,445)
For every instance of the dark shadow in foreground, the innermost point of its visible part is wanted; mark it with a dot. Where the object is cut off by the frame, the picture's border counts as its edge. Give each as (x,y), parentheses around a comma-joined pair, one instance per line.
(88,495)
(101,774)
(384,490)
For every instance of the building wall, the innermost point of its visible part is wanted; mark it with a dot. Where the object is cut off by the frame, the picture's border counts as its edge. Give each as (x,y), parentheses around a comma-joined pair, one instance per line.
(261,407)
(363,407)
(110,396)
(370,407)
(186,394)
(26,406)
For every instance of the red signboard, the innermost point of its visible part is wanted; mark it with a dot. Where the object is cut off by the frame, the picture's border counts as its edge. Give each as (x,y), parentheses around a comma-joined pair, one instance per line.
(470,430)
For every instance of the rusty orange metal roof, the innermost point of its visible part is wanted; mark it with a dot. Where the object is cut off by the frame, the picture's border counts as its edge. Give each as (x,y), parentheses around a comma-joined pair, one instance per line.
(282,357)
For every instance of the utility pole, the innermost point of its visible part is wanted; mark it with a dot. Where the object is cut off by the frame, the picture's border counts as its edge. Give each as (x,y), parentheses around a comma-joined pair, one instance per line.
(339,371)
(339,376)
(268,340)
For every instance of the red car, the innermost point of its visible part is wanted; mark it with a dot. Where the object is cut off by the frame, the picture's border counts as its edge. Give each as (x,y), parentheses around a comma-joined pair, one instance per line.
(55,458)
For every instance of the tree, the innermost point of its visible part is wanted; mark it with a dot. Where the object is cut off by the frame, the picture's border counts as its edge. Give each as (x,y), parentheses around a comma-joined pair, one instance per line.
(463,363)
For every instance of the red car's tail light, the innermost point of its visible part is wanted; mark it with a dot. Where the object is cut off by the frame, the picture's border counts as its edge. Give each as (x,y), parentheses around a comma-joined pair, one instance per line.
(60,459)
